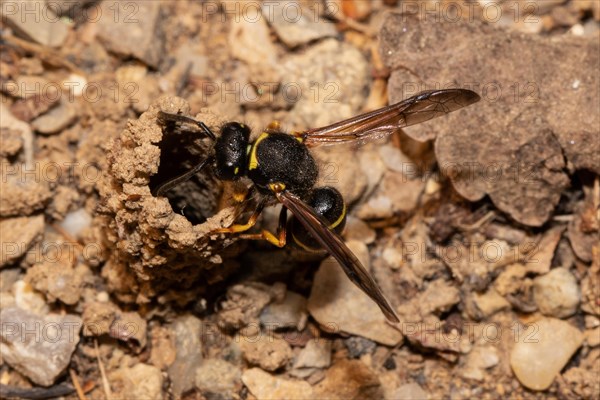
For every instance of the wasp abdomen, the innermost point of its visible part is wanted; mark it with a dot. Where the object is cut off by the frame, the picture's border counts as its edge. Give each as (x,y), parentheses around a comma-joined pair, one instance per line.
(327,202)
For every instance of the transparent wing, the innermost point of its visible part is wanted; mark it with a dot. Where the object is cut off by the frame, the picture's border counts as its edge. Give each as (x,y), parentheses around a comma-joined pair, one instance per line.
(333,243)
(379,123)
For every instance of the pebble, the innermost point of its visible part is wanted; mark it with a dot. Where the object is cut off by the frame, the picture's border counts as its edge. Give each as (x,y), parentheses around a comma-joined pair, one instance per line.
(486,304)
(478,360)
(38,346)
(291,313)
(357,229)
(29,299)
(592,337)
(18,235)
(349,379)
(325,92)
(219,377)
(23,193)
(395,160)
(538,359)
(140,382)
(12,142)
(56,119)
(140,36)
(358,346)
(396,193)
(339,305)
(316,354)
(187,332)
(439,297)
(18,134)
(557,293)
(76,222)
(371,165)
(540,261)
(410,391)
(35,21)
(265,386)
(269,353)
(296,25)
(57,278)
(250,41)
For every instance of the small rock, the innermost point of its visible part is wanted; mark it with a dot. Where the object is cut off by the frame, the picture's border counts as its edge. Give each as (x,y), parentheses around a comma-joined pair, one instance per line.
(485,304)
(339,305)
(316,354)
(357,229)
(291,313)
(28,299)
(98,318)
(358,346)
(55,120)
(266,386)
(395,160)
(12,142)
(250,41)
(23,193)
(140,35)
(396,193)
(18,235)
(39,347)
(325,92)
(243,305)
(537,360)
(187,332)
(557,293)
(296,25)
(57,278)
(76,221)
(439,297)
(162,347)
(478,360)
(510,279)
(541,260)
(216,376)
(592,337)
(410,391)
(349,379)
(35,21)
(140,382)
(269,353)
(18,131)
(130,326)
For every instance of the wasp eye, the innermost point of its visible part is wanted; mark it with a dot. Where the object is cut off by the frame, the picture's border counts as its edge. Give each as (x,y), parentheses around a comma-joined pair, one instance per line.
(230,151)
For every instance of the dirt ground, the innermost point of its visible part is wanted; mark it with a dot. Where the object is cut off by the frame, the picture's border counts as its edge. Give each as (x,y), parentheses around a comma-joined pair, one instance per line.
(481,226)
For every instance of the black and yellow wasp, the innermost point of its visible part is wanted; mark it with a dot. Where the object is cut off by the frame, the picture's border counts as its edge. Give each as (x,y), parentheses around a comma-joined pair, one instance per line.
(282,169)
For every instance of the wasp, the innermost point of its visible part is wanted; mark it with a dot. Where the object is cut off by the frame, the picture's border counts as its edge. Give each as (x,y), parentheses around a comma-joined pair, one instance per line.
(282,170)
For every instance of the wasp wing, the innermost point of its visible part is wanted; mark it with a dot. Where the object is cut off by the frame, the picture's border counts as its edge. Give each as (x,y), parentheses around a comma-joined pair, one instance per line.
(333,243)
(379,123)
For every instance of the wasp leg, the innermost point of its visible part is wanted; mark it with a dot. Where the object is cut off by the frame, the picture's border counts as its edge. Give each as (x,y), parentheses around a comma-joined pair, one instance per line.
(280,239)
(274,126)
(169,117)
(237,228)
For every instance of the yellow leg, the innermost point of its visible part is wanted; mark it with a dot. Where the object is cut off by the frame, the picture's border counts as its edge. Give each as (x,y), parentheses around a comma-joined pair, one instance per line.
(237,228)
(280,239)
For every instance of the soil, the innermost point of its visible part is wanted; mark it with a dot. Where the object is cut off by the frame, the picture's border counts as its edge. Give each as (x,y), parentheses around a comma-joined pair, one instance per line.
(481,227)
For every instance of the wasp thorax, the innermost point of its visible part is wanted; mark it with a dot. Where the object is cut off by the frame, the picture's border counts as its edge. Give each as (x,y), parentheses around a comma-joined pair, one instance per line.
(231,151)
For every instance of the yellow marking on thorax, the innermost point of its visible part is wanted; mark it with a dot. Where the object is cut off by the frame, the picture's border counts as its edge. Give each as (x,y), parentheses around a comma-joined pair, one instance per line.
(253,162)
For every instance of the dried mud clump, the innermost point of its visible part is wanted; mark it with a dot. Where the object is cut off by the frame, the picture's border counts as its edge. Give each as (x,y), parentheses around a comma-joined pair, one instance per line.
(162,242)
